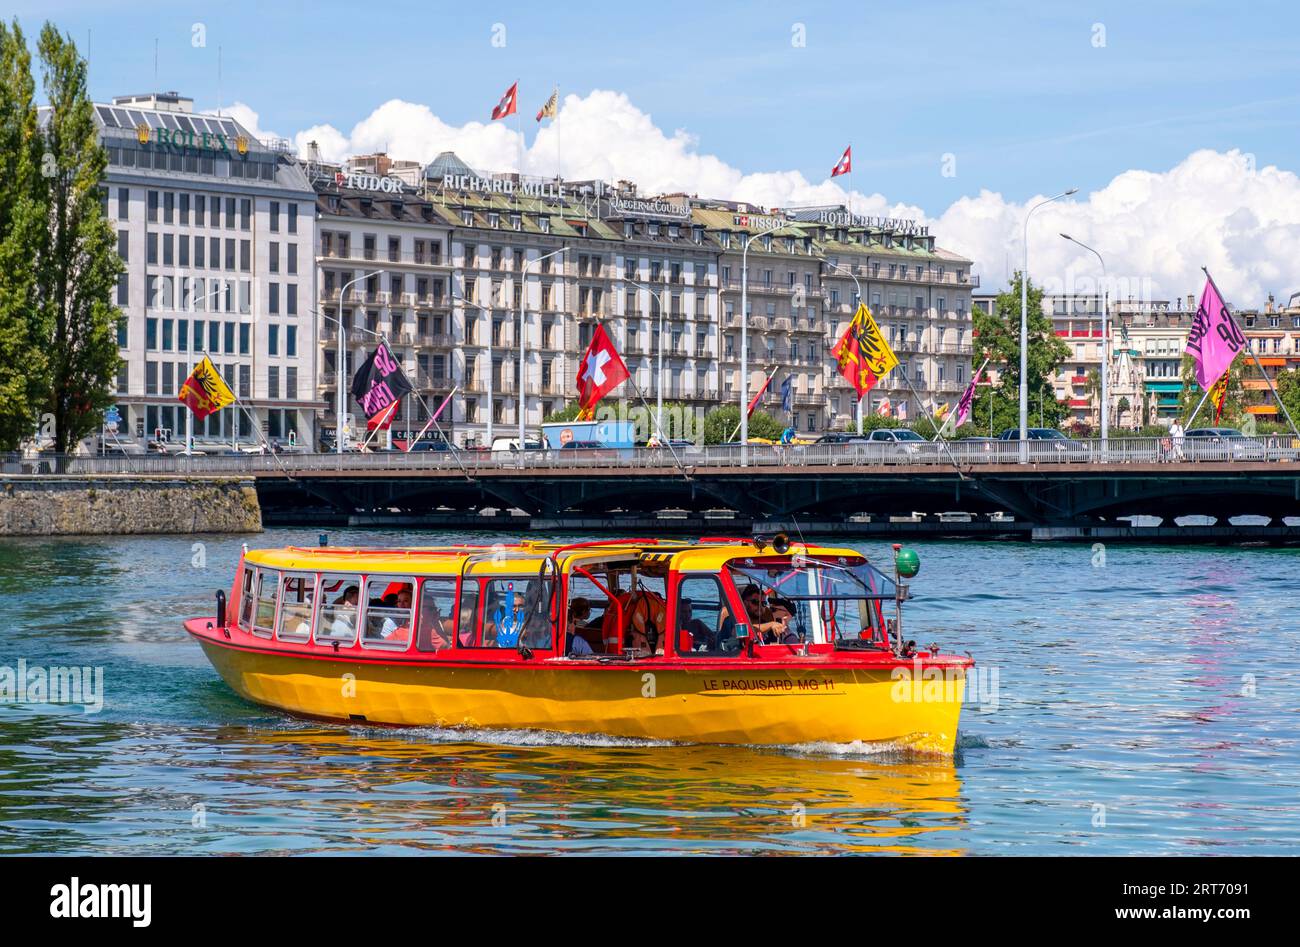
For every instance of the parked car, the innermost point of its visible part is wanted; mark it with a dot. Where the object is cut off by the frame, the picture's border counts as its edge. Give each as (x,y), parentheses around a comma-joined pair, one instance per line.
(1047,443)
(841,437)
(1219,443)
(902,443)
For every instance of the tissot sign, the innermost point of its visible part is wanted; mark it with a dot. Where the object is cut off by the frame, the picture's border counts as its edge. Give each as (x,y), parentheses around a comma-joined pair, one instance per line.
(758,222)
(368,182)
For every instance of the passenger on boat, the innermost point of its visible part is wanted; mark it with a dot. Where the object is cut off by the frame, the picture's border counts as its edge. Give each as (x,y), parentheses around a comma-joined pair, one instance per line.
(537,626)
(391,631)
(762,624)
(783,611)
(575,644)
(345,613)
(434,633)
(692,633)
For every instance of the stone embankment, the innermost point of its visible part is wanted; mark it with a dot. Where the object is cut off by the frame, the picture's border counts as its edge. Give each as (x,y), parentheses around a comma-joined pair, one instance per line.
(115,506)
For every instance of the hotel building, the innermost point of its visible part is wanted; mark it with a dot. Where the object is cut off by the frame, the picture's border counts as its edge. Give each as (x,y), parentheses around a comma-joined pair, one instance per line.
(216,231)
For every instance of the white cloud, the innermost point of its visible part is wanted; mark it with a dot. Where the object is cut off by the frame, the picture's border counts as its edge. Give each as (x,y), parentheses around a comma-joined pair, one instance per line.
(1154,228)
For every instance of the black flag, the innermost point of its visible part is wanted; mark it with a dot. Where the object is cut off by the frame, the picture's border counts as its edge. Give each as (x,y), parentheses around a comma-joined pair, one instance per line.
(379,383)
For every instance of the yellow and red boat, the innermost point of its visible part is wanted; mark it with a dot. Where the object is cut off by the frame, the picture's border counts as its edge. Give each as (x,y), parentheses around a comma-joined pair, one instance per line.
(720,640)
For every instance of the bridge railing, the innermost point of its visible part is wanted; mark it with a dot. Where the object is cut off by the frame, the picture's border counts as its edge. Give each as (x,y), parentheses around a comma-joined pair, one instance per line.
(966,454)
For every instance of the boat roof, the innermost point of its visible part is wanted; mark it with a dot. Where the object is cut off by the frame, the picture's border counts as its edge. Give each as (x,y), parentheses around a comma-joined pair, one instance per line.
(512,558)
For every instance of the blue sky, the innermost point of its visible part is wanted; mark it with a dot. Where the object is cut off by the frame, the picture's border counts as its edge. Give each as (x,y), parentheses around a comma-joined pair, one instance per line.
(1016,91)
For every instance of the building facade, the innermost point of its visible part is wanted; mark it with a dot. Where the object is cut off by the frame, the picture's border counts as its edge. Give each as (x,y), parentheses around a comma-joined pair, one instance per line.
(216,231)
(482,263)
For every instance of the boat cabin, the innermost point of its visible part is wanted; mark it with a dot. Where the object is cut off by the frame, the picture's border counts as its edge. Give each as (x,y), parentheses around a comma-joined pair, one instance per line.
(723,599)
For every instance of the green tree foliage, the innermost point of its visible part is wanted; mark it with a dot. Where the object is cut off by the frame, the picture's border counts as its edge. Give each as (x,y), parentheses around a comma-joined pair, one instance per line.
(720,423)
(1288,391)
(568,413)
(23,363)
(999,334)
(1234,401)
(77,266)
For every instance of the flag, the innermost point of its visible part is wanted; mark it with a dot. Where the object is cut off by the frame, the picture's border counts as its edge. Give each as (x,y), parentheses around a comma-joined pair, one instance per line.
(753,403)
(902,411)
(378,386)
(884,410)
(507,104)
(862,355)
(204,391)
(551,107)
(941,412)
(600,372)
(1214,339)
(967,400)
(1219,394)
(787,394)
(846,163)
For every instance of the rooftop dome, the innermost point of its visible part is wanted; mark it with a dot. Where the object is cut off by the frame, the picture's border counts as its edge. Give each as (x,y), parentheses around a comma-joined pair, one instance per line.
(447,163)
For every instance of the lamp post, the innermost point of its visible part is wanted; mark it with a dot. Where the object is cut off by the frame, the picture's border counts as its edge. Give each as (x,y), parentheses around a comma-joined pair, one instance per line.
(1105,344)
(341,369)
(1024,329)
(488,313)
(744,348)
(836,266)
(523,309)
(659,381)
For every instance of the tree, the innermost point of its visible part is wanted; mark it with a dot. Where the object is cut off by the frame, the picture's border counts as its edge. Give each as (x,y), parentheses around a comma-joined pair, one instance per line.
(568,413)
(23,363)
(999,334)
(1121,408)
(1234,400)
(1092,387)
(77,265)
(720,425)
(1288,392)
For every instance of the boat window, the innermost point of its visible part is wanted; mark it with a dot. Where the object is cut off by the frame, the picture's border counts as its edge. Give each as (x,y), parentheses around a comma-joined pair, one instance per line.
(626,605)
(830,599)
(268,584)
(515,612)
(297,596)
(437,615)
(702,618)
(389,609)
(467,615)
(337,620)
(246,603)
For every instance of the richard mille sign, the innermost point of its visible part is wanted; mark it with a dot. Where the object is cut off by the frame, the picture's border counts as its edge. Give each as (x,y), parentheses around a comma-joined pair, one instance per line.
(467,182)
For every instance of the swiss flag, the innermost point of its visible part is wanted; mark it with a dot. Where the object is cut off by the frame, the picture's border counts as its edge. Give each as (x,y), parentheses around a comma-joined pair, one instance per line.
(844,167)
(507,104)
(600,372)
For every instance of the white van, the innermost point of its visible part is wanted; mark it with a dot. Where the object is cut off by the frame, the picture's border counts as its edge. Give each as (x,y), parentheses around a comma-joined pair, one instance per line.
(510,445)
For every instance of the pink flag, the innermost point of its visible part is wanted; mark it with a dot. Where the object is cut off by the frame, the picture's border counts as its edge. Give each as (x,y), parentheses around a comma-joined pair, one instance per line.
(967,401)
(1214,339)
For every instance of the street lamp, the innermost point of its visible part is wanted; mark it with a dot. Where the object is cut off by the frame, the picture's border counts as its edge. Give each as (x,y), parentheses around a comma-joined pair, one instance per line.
(1024,330)
(488,313)
(1105,343)
(836,266)
(659,382)
(523,308)
(744,347)
(341,394)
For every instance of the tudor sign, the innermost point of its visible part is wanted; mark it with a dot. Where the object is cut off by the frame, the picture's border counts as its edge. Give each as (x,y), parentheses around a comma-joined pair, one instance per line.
(368,182)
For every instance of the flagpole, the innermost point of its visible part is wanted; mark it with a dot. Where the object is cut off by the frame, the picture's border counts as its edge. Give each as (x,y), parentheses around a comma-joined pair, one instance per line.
(1253,354)
(1200,404)
(749,410)
(432,418)
(942,442)
(555,121)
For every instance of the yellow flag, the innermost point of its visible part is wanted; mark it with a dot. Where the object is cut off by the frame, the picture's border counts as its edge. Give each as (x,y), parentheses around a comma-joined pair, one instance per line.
(205,391)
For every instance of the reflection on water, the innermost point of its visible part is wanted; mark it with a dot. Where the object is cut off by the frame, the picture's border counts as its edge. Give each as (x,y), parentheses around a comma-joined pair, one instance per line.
(126,789)
(1147,707)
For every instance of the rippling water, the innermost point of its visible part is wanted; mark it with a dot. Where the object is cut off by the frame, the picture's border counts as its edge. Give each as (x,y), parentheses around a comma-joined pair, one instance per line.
(1150,705)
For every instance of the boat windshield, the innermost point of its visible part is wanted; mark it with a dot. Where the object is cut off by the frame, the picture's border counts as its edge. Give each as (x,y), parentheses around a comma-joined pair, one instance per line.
(831,599)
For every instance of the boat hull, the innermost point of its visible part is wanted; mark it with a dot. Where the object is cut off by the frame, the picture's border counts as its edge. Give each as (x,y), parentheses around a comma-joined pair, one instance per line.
(761,705)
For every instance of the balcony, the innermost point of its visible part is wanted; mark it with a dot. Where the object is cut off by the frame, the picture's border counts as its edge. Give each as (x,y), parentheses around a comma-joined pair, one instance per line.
(437,340)
(426,381)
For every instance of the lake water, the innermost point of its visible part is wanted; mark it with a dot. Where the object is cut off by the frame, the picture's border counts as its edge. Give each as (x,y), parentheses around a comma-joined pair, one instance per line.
(1136,700)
